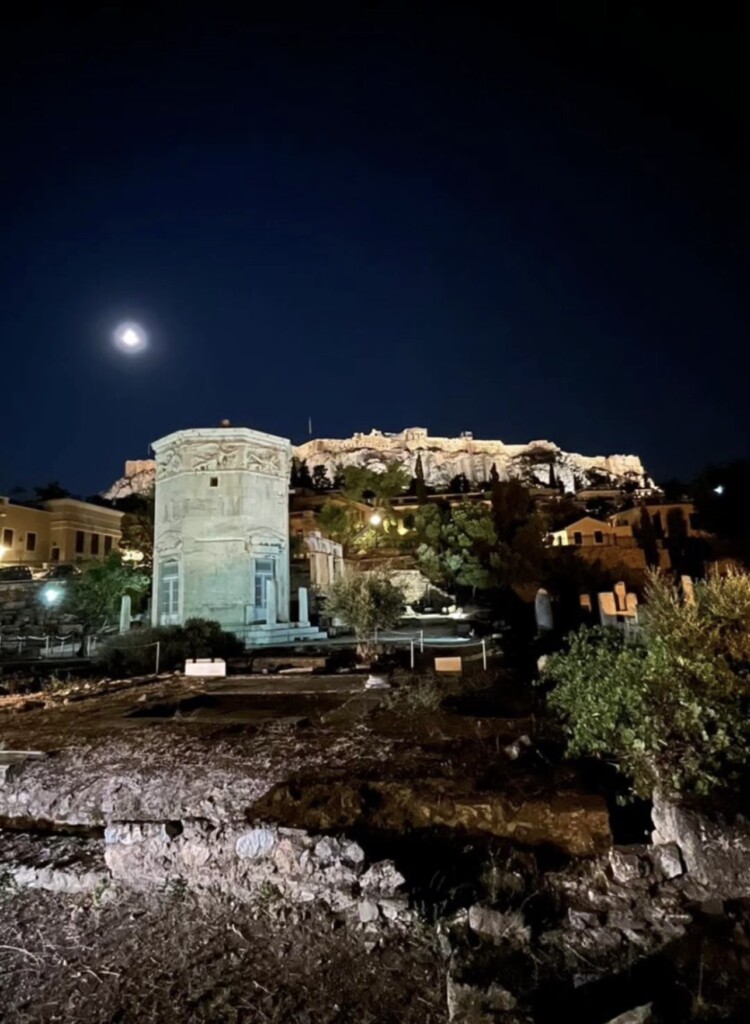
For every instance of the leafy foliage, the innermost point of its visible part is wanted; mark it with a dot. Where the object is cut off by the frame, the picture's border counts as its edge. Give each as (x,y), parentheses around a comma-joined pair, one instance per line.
(134,653)
(473,546)
(365,602)
(338,522)
(137,525)
(360,482)
(672,705)
(94,598)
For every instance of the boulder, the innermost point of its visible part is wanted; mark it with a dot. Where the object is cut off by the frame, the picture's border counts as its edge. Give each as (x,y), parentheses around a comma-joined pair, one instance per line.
(498,926)
(715,850)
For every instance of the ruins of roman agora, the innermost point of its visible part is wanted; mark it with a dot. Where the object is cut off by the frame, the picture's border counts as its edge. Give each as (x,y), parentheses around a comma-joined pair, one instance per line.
(483,704)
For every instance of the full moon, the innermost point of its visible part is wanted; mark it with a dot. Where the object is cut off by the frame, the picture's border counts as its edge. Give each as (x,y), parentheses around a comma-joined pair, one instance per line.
(130,337)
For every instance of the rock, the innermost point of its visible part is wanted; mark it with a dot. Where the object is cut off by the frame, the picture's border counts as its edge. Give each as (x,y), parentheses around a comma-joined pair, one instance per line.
(393,908)
(285,858)
(715,851)
(499,927)
(474,1004)
(377,683)
(382,877)
(627,864)
(712,908)
(638,1015)
(12,763)
(258,842)
(327,850)
(367,911)
(515,749)
(667,861)
(352,852)
(579,920)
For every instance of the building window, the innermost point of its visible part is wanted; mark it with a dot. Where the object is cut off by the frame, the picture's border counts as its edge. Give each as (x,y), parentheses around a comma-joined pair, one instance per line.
(54,555)
(577,538)
(598,537)
(31,542)
(94,543)
(169,593)
(263,575)
(107,545)
(214,481)
(7,538)
(80,542)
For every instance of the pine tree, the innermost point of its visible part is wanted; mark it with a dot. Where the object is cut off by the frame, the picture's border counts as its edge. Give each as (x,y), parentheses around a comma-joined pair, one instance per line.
(420,486)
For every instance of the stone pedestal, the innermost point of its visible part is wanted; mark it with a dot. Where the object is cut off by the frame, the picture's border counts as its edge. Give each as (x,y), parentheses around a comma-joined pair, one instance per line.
(304,610)
(125,613)
(543,612)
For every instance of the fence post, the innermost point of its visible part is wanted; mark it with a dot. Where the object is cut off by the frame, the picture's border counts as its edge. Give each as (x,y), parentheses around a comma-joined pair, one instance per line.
(421,641)
(484,654)
(411,642)
(158,652)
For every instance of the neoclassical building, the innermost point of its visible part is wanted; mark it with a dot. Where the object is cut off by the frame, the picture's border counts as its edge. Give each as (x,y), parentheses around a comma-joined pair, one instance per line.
(221,533)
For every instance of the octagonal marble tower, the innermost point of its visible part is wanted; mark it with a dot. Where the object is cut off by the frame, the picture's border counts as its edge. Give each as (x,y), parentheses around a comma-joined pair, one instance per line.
(221,536)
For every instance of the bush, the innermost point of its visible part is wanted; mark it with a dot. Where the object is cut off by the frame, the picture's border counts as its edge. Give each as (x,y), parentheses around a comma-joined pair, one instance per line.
(670,706)
(134,653)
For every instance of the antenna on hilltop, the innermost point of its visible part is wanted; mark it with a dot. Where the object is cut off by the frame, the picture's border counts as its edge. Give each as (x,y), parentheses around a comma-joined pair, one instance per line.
(309,425)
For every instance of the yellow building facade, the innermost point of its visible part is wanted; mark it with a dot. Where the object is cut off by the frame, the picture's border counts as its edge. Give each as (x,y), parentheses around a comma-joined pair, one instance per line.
(59,530)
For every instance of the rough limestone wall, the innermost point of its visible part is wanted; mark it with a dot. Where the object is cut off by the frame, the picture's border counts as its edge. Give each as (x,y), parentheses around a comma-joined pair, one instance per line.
(443,458)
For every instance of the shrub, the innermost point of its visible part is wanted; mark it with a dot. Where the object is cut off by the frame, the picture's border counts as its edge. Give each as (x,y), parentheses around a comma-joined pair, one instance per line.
(670,706)
(134,653)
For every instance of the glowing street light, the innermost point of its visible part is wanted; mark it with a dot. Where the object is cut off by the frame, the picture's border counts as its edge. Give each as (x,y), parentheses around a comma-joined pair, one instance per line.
(130,337)
(51,595)
(719,490)
(375,519)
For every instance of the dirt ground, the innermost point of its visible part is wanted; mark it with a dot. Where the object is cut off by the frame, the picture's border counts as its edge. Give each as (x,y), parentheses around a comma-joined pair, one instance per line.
(118,957)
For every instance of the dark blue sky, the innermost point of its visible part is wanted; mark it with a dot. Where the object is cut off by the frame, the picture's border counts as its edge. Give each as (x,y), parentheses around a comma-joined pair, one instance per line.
(528,228)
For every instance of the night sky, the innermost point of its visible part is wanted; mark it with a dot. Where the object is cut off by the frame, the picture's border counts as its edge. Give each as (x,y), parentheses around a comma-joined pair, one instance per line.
(533,227)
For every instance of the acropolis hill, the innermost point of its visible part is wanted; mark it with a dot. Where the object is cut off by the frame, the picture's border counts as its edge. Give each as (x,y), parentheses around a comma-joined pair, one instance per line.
(540,463)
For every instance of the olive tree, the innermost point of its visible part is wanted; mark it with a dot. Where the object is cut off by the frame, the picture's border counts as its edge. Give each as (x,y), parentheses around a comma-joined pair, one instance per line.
(365,602)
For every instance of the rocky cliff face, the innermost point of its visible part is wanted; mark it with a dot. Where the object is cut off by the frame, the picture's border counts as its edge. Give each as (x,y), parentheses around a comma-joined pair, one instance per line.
(539,463)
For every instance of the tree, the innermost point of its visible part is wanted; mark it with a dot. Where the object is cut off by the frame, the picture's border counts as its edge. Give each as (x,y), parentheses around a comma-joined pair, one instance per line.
(320,481)
(300,475)
(50,491)
(520,534)
(456,545)
(646,536)
(671,705)
(94,598)
(420,488)
(338,522)
(137,525)
(459,485)
(365,602)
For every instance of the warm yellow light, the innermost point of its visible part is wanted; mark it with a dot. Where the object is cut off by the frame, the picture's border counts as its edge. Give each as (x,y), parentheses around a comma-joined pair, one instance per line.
(129,555)
(2,550)
(375,519)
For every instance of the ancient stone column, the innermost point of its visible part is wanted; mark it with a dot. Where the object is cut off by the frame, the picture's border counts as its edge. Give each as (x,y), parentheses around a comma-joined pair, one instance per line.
(304,611)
